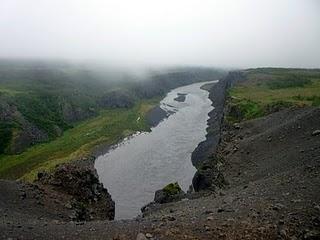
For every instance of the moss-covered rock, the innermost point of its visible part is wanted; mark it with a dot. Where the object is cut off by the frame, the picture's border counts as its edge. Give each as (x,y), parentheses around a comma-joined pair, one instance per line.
(170,193)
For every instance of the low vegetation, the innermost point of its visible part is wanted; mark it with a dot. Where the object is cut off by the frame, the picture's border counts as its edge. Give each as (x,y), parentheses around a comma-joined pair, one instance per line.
(107,128)
(172,189)
(268,90)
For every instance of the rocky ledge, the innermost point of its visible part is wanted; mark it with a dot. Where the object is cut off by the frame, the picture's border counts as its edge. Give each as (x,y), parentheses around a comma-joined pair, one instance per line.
(72,192)
(79,181)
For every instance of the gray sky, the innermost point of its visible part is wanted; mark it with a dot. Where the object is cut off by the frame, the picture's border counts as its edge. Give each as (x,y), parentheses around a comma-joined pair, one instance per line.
(238,33)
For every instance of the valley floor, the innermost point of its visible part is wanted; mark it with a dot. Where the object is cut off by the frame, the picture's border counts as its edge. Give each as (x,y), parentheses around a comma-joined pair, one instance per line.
(271,164)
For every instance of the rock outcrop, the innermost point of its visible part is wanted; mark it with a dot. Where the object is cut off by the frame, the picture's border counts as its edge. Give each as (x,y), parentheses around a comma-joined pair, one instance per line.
(208,175)
(16,132)
(89,199)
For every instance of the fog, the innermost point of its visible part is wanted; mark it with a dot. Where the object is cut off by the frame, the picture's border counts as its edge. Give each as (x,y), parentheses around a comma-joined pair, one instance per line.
(239,33)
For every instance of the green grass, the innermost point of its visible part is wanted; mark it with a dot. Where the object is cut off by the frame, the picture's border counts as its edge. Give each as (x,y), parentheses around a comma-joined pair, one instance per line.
(288,81)
(107,128)
(269,90)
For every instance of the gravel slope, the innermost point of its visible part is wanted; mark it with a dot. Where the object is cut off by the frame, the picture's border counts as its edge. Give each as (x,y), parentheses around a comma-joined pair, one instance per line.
(272,166)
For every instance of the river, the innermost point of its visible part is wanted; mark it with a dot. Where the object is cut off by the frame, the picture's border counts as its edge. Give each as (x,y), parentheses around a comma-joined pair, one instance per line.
(146,162)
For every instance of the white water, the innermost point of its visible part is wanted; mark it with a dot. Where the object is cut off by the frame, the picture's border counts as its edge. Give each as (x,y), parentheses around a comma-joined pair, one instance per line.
(146,162)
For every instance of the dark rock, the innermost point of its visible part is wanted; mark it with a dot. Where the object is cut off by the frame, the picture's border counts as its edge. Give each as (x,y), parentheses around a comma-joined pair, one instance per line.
(225,209)
(208,176)
(208,212)
(90,199)
(236,126)
(210,218)
(181,97)
(278,207)
(168,218)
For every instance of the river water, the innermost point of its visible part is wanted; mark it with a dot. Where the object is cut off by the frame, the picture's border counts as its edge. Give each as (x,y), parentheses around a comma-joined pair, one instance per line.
(146,162)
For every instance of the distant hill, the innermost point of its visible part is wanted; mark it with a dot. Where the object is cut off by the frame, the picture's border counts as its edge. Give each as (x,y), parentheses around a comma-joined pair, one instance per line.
(39,100)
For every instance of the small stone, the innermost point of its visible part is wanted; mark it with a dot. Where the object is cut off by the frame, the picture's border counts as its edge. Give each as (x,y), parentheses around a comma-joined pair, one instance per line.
(221,193)
(149,235)
(236,126)
(141,236)
(230,220)
(207,228)
(220,210)
(208,212)
(23,195)
(278,207)
(210,218)
(68,206)
(316,132)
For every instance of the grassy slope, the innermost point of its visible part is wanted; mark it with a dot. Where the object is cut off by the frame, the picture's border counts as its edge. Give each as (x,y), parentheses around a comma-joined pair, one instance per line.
(107,128)
(267,90)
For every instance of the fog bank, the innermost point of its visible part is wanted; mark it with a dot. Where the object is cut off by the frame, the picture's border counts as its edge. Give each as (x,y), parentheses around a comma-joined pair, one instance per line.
(239,33)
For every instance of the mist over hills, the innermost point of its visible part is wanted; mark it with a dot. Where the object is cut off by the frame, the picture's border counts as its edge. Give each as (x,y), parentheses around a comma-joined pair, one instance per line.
(39,100)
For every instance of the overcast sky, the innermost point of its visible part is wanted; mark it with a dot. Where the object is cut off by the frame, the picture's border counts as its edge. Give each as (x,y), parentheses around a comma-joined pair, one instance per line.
(238,33)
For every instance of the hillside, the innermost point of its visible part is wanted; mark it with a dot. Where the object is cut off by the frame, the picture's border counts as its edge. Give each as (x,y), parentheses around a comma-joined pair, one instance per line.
(266,90)
(54,111)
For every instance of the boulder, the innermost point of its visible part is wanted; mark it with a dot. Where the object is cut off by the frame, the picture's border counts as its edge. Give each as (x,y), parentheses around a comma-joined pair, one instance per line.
(90,199)
(170,193)
(209,176)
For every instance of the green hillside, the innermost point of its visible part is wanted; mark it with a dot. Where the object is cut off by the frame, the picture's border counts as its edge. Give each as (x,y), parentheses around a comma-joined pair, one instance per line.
(268,90)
